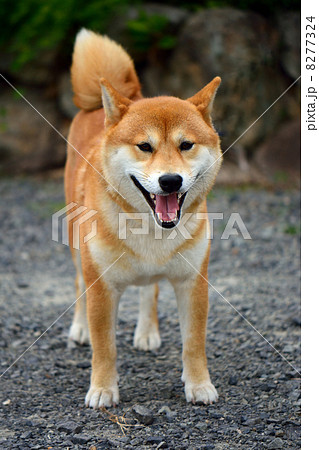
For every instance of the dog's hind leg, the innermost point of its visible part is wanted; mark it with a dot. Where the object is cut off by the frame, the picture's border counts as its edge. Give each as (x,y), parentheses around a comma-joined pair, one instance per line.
(147,335)
(79,331)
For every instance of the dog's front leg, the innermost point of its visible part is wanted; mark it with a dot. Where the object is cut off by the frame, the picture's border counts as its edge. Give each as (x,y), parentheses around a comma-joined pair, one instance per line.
(192,301)
(102,306)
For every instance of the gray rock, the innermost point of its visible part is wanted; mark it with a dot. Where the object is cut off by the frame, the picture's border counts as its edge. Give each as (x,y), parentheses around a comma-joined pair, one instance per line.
(251,421)
(202,426)
(288,348)
(168,413)
(288,25)
(143,414)
(22,284)
(27,142)
(70,427)
(280,153)
(175,16)
(247,64)
(162,444)
(276,443)
(83,364)
(155,440)
(109,443)
(215,414)
(26,435)
(80,439)
(233,380)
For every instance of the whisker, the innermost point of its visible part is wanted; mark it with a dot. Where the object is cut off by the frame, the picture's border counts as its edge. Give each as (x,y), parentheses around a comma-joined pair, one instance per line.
(118,188)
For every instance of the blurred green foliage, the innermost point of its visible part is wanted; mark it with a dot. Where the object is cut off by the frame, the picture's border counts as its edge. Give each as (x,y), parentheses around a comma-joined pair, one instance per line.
(3,119)
(293,229)
(149,31)
(31,27)
(280,176)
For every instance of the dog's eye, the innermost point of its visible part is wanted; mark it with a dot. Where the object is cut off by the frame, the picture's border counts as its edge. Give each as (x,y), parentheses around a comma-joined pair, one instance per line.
(145,147)
(186,145)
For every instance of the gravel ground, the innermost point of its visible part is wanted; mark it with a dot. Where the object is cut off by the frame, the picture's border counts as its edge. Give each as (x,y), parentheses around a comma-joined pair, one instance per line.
(42,396)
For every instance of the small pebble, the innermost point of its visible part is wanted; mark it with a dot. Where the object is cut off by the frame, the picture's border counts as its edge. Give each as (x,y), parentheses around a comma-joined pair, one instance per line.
(26,435)
(233,380)
(70,427)
(143,414)
(154,440)
(80,439)
(83,364)
(276,443)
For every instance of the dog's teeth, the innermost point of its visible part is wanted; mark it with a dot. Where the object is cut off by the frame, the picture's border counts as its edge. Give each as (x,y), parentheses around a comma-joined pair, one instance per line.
(152,196)
(179,196)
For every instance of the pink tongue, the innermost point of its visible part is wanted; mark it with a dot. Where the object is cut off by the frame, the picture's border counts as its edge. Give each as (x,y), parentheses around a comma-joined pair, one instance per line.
(167,206)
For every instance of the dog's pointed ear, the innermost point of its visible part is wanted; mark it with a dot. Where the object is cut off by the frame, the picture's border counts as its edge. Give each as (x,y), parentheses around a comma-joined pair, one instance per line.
(204,99)
(115,104)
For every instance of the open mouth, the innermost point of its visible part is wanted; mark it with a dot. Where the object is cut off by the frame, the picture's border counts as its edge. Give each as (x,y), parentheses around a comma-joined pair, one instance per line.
(166,208)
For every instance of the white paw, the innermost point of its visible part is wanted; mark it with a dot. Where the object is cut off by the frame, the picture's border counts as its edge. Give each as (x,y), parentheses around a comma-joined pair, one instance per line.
(147,340)
(102,396)
(79,332)
(201,393)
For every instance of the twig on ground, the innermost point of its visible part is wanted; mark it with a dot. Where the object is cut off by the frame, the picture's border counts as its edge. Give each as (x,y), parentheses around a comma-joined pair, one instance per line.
(120,420)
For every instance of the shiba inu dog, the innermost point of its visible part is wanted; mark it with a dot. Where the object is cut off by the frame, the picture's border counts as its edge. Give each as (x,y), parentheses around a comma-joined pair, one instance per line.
(131,155)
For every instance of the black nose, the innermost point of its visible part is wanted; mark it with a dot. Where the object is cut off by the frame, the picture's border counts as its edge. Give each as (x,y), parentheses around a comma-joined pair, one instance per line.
(170,183)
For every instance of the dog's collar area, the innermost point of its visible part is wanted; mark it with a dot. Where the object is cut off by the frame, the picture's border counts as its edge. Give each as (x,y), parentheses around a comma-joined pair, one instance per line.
(161,205)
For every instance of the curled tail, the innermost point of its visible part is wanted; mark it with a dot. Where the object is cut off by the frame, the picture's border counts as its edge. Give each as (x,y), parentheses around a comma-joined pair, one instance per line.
(96,57)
